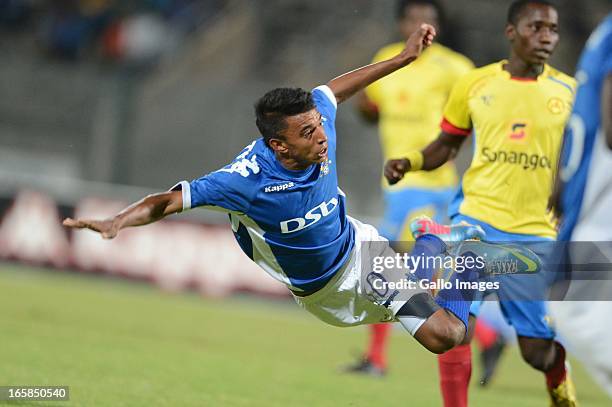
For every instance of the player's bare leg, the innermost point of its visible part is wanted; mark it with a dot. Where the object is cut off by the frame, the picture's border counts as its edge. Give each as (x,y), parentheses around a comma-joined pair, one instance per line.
(548,356)
(441,332)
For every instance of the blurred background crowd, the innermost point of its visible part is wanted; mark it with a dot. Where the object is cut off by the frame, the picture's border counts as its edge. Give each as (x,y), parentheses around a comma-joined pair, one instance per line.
(145,93)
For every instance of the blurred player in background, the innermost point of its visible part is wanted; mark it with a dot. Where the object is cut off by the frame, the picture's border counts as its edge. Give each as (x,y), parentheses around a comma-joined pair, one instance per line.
(407,106)
(583,200)
(289,215)
(516,110)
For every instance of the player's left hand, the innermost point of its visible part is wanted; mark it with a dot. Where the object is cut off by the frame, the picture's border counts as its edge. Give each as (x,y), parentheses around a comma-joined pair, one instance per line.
(419,40)
(395,170)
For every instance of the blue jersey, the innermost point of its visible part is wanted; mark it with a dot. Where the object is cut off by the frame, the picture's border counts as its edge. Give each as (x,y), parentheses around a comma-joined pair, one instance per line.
(293,224)
(583,131)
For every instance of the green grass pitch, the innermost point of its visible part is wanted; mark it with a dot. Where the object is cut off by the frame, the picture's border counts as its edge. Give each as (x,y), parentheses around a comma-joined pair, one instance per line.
(121,344)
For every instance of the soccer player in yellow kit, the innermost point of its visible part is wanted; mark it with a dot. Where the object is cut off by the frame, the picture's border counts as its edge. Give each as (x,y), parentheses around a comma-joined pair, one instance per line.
(407,106)
(516,110)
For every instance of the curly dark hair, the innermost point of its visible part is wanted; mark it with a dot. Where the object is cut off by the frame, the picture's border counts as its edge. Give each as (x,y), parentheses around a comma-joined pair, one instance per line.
(272,108)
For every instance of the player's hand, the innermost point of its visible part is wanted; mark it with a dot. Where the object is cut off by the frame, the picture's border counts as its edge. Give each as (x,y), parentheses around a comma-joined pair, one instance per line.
(554,206)
(107,228)
(395,170)
(419,40)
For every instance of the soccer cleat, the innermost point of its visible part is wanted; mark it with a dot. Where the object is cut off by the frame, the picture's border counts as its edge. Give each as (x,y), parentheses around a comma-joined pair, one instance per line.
(366,367)
(564,395)
(465,240)
(498,258)
(424,225)
(489,358)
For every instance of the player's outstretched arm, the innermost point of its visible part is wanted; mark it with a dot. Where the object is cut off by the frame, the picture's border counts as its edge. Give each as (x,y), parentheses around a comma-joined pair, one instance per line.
(346,85)
(149,209)
(437,153)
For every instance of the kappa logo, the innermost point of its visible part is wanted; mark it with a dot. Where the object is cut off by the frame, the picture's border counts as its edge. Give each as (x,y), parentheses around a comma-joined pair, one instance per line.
(487,99)
(279,187)
(312,216)
(243,165)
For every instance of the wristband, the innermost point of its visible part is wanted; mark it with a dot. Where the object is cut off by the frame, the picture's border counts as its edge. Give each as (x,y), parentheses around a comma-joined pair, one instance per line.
(416,160)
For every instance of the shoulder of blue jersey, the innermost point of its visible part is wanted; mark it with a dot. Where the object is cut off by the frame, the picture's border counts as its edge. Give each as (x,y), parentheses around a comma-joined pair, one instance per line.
(248,164)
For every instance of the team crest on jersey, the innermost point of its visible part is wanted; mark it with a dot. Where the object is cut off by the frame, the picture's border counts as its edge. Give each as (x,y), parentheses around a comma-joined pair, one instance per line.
(555,105)
(325,168)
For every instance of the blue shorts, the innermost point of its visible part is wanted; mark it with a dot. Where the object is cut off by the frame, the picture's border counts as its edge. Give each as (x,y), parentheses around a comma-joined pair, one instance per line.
(404,204)
(528,317)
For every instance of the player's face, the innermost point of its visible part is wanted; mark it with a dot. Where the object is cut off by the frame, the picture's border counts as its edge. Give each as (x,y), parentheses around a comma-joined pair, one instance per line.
(415,15)
(535,35)
(305,140)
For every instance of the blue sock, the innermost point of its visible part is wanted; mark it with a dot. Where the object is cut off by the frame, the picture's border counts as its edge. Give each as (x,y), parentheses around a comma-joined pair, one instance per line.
(460,308)
(455,300)
(427,246)
(458,300)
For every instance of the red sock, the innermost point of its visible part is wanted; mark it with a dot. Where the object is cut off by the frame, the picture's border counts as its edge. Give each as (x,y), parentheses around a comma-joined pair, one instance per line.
(556,375)
(484,334)
(455,370)
(378,344)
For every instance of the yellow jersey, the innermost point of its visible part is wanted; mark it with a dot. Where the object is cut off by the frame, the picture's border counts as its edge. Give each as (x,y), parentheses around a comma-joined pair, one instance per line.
(517,126)
(410,103)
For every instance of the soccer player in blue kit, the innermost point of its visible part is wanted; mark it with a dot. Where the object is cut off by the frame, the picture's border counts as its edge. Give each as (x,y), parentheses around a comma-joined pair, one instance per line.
(582,200)
(289,216)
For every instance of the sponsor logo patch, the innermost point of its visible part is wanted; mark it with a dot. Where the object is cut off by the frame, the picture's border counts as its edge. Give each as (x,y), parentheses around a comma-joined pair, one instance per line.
(524,160)
(312,216)
(279,187)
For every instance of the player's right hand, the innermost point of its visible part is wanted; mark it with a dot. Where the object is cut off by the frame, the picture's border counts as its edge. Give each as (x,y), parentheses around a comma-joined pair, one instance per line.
(107,228)
(395,170)
(419,40)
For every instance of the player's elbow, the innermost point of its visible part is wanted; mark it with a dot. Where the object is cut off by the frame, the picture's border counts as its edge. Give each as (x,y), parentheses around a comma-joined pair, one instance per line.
(161,204)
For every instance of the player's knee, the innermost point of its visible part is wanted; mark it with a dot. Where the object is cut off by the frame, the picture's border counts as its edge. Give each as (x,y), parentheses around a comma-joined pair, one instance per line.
(441,331)
(446,336)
